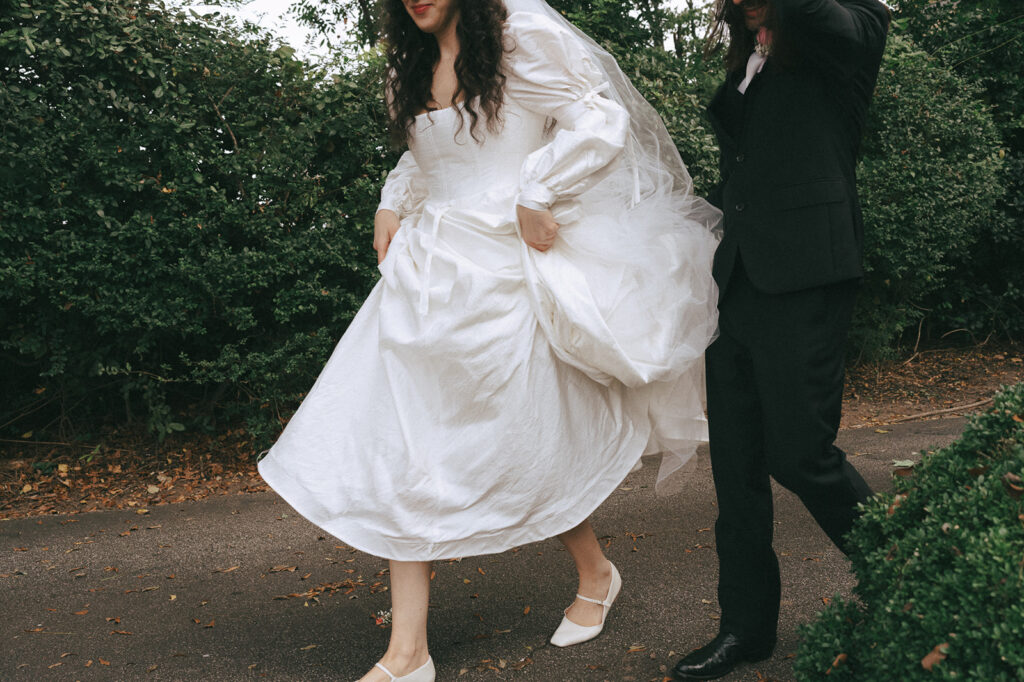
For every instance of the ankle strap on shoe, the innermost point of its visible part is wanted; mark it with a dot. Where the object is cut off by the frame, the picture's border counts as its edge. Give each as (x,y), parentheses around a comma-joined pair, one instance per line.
(592,601)
(386,671)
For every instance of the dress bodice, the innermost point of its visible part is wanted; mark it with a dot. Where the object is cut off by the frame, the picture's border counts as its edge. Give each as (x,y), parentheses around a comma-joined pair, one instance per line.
(550,77)
(455,166)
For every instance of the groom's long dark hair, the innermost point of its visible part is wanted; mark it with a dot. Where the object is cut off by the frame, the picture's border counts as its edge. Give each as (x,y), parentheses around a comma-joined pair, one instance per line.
(412,55)
(741,41)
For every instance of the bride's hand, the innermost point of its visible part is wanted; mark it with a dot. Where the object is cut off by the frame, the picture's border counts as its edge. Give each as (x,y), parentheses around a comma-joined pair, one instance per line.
(538,227)
(385,225)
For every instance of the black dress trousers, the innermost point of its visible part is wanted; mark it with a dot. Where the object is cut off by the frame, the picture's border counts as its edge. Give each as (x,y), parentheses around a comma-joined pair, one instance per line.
(775,384)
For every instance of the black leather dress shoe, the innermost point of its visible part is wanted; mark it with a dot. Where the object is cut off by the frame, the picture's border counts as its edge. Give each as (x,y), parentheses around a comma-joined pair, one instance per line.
(720,657)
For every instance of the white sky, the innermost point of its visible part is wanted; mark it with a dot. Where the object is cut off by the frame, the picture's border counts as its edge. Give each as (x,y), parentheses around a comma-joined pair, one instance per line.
(272,15)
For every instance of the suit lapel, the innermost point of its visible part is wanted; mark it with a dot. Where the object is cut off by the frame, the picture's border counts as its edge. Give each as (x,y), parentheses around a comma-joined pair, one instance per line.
(716,110)
(749,98)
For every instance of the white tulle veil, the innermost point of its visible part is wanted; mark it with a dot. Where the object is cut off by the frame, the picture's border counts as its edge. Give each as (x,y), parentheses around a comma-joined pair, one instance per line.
(643,306)
(650,152)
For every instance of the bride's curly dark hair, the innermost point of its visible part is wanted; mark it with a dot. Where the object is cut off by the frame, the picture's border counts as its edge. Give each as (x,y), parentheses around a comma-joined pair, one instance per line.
(412,55)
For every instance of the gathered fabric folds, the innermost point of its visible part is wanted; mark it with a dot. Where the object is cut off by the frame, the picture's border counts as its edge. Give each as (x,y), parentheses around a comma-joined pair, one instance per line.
(488,395)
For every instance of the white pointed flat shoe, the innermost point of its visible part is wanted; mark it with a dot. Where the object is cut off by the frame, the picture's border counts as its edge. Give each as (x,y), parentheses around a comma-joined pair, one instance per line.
(569,633)
(424,673)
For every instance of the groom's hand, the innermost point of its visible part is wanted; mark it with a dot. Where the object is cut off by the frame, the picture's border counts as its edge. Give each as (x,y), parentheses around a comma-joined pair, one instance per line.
(538,227)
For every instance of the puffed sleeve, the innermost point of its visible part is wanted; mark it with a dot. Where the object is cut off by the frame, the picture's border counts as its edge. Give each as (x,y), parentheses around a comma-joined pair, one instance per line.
(405,189)
(552,73)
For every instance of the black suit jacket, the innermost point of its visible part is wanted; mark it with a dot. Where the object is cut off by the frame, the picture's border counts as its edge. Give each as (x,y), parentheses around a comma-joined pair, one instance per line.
(789,149)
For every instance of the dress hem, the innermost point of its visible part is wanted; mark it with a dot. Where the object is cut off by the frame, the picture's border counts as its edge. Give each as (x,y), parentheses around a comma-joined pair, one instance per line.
(299,499)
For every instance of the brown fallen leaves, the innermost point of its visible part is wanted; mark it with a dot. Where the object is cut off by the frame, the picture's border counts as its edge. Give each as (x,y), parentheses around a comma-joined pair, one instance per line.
(124,471)
(896,502)
(838,661)
(497,665)
(932,379)
(1014,485)
(67,478)
(343,587)
(935,656)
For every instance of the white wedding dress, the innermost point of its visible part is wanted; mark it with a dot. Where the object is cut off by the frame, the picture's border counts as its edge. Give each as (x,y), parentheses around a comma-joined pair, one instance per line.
(488,395)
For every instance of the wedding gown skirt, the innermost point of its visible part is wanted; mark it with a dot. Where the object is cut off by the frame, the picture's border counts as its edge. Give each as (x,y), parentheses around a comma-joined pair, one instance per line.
(475,403)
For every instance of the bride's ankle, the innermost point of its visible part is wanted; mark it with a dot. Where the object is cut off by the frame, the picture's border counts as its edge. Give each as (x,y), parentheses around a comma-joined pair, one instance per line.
(403,660)
(600,576)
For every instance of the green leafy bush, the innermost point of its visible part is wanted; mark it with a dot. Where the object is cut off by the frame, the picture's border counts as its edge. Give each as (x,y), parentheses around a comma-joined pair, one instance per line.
(668,84)
(627,26)
(981,41)
(939,564)
(678,85)
(186,209)
(930,179)
(185,215)
(929,185)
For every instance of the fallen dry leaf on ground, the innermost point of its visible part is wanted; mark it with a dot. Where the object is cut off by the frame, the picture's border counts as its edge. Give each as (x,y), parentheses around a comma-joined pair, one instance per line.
(123,471)
(935,656)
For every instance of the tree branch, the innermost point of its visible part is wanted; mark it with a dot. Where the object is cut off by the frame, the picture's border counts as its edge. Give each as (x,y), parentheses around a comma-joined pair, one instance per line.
(223,120)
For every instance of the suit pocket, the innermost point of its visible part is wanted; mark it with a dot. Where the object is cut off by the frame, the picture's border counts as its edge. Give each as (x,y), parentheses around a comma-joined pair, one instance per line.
(804,221)
(808,194)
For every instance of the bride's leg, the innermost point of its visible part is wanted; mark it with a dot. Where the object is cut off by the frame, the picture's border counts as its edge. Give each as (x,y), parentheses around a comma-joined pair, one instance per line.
(594,569)
(410,594)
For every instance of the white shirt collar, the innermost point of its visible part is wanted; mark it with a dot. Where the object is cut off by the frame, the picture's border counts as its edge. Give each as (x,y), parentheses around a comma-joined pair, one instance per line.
(754,65)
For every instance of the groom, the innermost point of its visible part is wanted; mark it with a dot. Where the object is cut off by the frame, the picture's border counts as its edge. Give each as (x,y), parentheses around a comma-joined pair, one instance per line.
(789,119)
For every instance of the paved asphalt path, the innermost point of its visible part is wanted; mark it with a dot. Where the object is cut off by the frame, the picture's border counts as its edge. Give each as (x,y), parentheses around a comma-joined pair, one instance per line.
(192,591)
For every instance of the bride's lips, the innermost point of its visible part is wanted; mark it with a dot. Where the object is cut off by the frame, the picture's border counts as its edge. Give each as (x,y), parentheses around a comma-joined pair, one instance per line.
(420,9)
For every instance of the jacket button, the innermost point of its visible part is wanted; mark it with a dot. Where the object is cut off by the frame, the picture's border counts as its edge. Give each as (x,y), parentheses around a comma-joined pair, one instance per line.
(740,207)
(740,158)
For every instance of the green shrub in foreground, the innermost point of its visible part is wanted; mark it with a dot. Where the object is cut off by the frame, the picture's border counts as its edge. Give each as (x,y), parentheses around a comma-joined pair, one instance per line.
(940,564)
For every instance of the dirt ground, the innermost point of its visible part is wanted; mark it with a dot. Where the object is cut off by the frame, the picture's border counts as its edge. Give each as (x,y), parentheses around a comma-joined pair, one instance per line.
(930,384)
(123,472)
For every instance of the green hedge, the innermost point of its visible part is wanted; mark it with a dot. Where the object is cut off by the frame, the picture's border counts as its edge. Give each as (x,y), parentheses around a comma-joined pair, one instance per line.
(186,209)
(931,177)
(940,565)
(929,185)
(981,40)
(186,216)
(668,84)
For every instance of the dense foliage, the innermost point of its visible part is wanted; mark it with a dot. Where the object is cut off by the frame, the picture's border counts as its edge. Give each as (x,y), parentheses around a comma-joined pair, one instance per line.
(626,26)
(185,214)
(185,208)
(929,185)
(940,586)
(672,88)
(636,24)
(983,42)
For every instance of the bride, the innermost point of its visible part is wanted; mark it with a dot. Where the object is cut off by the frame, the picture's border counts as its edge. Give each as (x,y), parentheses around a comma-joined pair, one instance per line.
(544,304)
